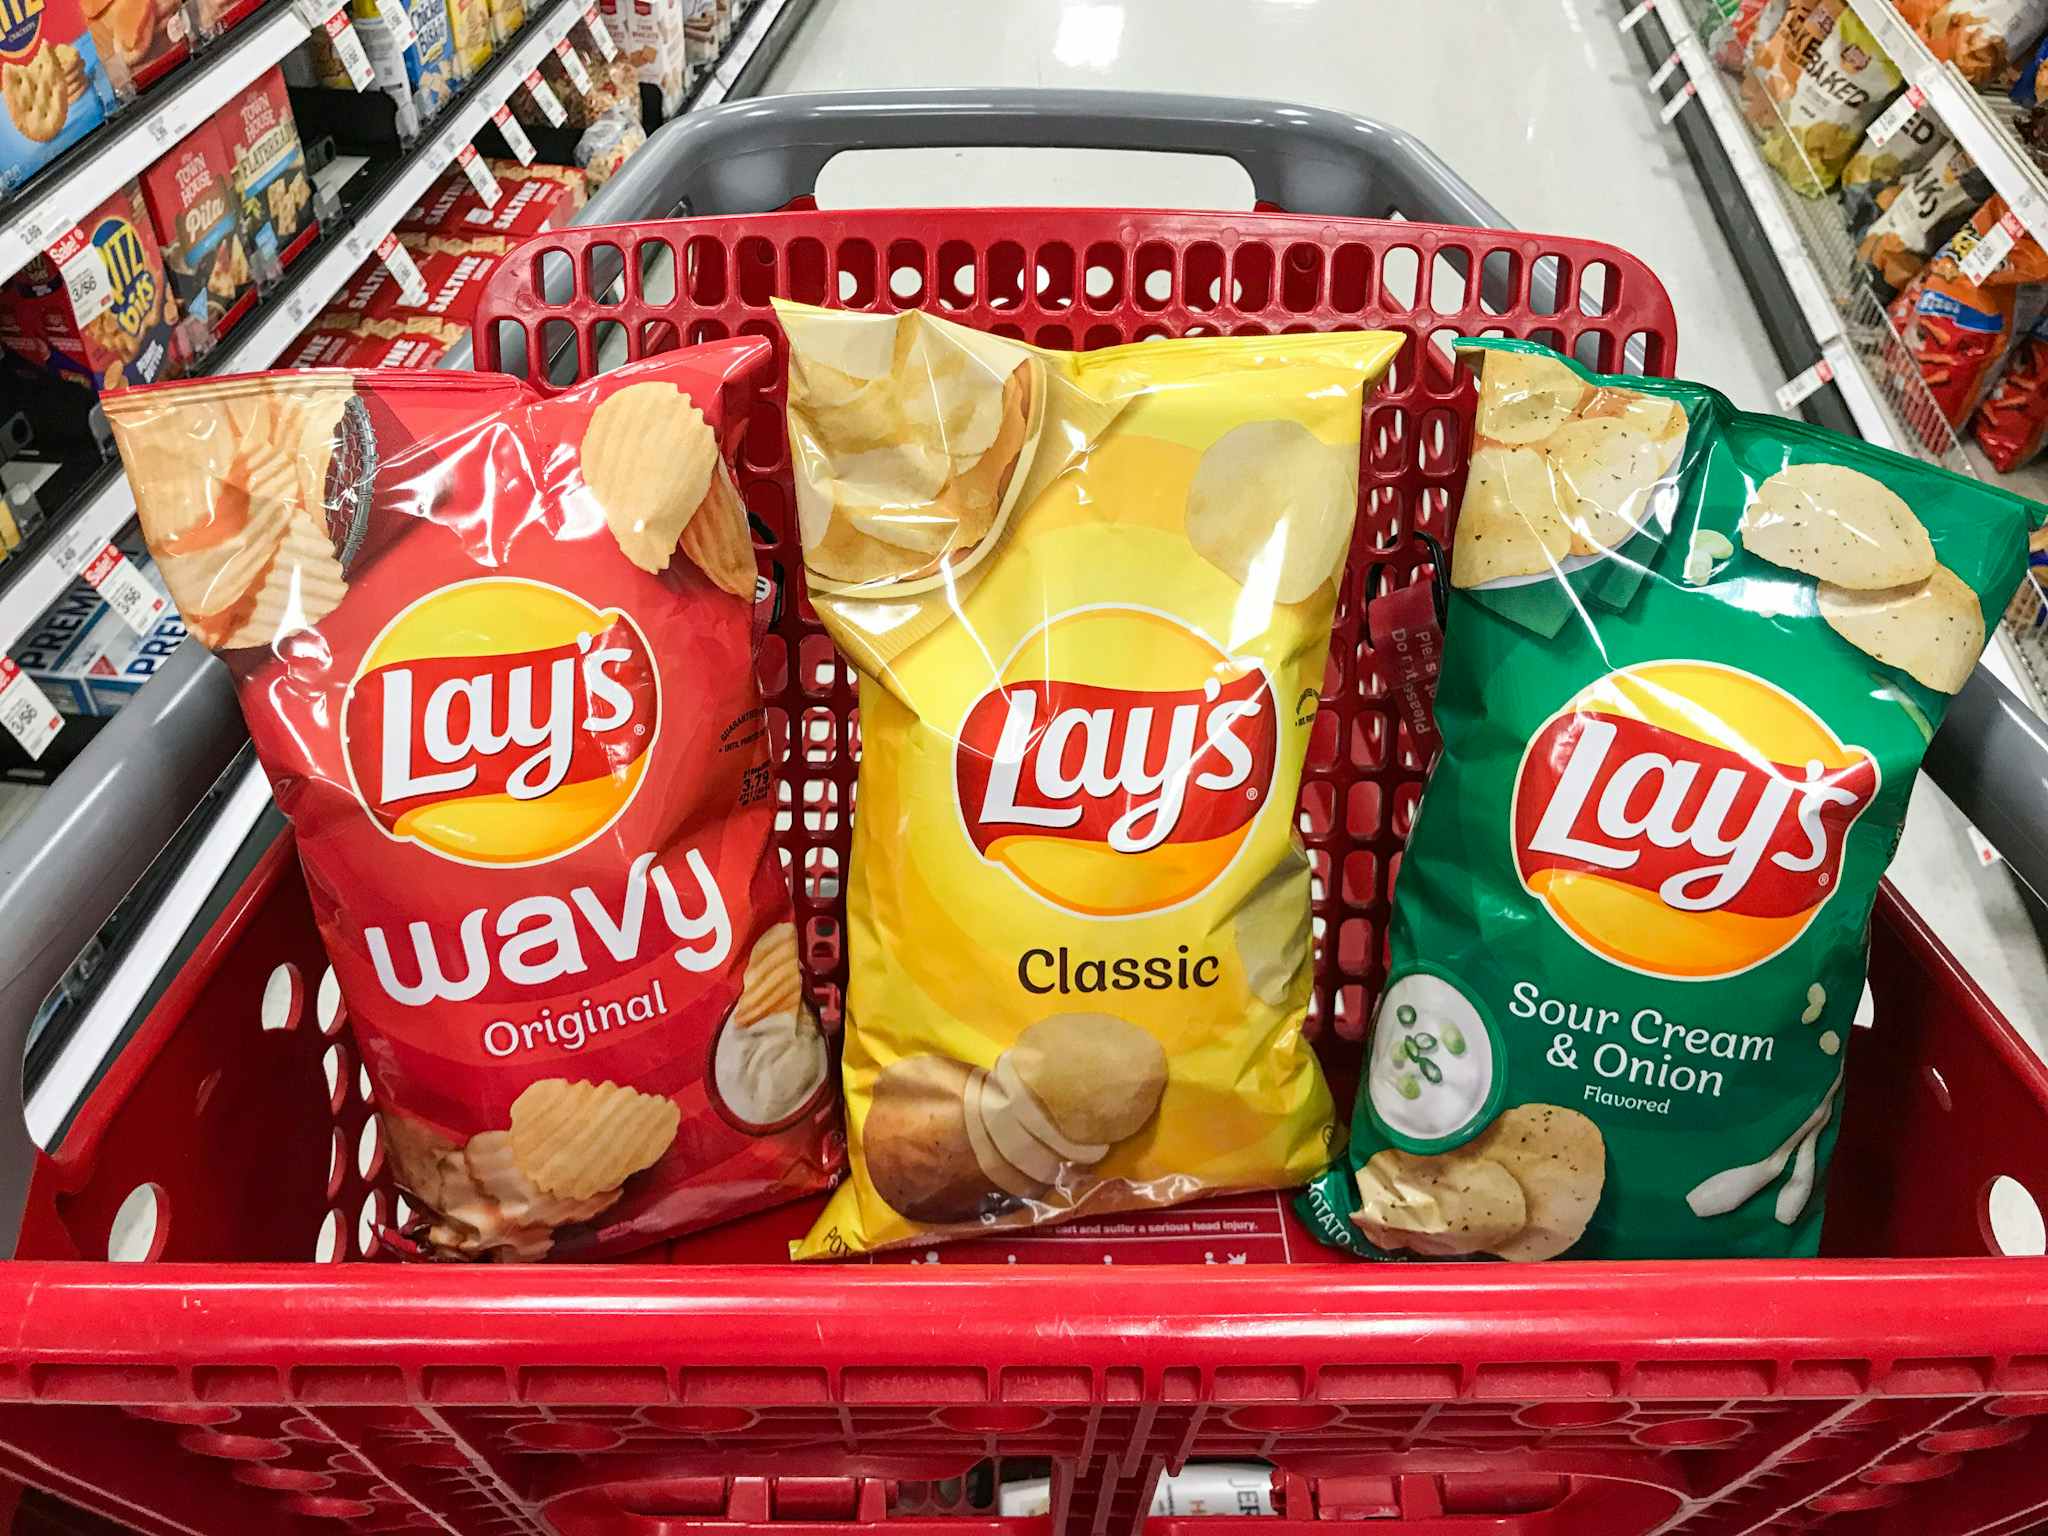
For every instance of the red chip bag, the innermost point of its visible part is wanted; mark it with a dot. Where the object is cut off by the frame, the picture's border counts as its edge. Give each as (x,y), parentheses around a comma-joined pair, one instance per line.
(1955,330)
(2012,423)
(497,656)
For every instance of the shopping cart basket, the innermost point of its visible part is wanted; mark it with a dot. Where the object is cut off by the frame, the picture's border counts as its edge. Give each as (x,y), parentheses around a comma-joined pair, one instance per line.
(1890,1387)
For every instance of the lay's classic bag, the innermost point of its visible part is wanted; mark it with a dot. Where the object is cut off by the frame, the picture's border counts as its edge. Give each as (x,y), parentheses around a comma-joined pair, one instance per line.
(496,653)
(1693,660)
(1089,596)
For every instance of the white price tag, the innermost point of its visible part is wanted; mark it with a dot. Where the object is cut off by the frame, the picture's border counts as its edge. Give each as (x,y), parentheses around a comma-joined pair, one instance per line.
(600,34)
(399,20)
(84,272)
(1989,253)
(572,65)
(479,175)
(348,48)
(544,97)
(1891,122)
(1634,18)
(1676,104)
(135,601)
(2031,207)
(1664,72)
(398,262)
(1981,846)
(514,136)
(26,711)
(1804,383)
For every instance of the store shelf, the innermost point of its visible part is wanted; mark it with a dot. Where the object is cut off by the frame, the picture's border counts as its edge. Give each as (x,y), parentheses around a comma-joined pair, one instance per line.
(1978,123)
(1850,330)
(90,174)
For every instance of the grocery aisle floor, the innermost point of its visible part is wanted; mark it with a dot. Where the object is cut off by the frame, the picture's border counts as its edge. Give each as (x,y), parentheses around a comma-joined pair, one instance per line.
(1539,104)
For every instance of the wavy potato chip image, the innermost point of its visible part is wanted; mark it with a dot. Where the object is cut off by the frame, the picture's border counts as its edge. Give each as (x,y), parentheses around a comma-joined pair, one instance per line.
(1932,630)
(1838,525)
(579,1139)
(1511,522)
(647,457)
(1446,1206)
(1272,507)
(1524,398)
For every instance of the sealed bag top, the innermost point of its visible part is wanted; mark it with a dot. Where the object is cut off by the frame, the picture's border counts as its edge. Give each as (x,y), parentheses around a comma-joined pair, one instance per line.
(1090,596)
(497,656)
(1693,660)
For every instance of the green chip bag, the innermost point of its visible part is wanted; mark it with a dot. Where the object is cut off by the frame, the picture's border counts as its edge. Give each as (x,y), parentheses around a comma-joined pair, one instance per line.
(1693,659)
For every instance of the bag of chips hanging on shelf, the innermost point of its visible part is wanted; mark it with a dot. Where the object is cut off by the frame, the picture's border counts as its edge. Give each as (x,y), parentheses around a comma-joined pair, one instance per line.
(1751,26)
(1985,39)
(1883,160)
(1824,77)
(2012,423)
(1693,659)
(1955,321)
(1916,216)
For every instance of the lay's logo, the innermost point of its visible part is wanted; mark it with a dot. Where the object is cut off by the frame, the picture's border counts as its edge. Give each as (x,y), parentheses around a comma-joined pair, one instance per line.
(1106,798)
(1685,819)
(501,721)
(128,269)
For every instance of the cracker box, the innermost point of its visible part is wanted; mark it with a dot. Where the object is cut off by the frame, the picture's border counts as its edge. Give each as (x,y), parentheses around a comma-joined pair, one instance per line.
(51,81)
(269,170)
(213,17)
(139,41)
(469,35)
(124,334)
(44,653)
(192,209)
(527,205)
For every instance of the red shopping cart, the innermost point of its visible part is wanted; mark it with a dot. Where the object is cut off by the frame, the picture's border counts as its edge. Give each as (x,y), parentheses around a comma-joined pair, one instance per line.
(229,1385)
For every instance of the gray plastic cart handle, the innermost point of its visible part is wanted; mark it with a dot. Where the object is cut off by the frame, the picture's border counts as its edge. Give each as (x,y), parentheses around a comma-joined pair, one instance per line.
(755,156)
(66,866)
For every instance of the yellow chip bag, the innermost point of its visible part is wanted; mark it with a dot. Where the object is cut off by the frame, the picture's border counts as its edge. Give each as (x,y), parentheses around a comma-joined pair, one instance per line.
(1089,596)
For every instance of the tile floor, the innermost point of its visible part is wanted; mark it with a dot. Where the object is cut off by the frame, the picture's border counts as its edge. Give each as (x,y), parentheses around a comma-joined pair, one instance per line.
(1539,104)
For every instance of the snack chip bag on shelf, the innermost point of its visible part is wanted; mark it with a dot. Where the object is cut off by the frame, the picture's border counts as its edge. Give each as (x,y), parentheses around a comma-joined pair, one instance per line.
(1089,596)
(1823,78)
(1916,217)
(497,654)
(1749,28)
(605,146)
(1954,330)
(1876,168)
(2013,420)
(1694,659)
(1985,39)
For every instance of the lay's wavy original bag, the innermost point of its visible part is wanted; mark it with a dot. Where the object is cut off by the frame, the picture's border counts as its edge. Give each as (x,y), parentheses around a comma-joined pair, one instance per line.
(1693,660)
(1089,596)
(497,655)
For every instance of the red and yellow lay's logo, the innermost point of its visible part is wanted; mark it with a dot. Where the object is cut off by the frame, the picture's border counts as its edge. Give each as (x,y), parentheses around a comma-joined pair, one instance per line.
(501,721)
(1109,799)
(1685,819)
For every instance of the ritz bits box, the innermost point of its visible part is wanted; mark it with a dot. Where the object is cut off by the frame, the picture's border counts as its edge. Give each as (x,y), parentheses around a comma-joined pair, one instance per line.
(269,172)
(497,654)
(52,83)
(100,300)
(192,207)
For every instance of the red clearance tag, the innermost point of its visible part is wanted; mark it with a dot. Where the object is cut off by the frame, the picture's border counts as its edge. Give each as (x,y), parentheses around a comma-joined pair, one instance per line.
(1403,628)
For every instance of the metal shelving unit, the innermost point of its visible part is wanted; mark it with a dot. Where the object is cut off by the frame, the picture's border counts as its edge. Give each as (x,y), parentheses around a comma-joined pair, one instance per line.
(1801,269)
